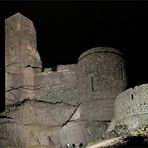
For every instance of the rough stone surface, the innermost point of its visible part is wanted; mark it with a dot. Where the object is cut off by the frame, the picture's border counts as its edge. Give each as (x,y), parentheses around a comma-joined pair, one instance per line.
(20,52)
(20,36)
(80,131)
(70,104)
(131,110)
(57,86)
(101,77)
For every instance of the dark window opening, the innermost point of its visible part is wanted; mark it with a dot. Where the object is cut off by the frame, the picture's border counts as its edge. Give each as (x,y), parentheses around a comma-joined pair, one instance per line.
(73,145)
(132,96)
(54,69)
(92,85)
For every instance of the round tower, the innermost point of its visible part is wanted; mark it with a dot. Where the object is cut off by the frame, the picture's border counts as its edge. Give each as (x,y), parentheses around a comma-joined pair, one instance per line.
(101,77)
(131,109)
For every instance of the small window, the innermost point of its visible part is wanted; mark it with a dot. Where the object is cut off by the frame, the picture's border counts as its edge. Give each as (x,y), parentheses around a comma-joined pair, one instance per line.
(54,69)
(92,84)
(132,96)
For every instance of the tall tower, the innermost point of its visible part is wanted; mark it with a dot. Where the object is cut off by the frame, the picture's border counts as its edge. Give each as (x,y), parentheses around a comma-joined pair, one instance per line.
(20,56)
(101,77)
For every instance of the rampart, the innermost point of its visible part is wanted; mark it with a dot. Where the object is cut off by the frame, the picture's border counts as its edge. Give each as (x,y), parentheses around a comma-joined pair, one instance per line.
(131,109)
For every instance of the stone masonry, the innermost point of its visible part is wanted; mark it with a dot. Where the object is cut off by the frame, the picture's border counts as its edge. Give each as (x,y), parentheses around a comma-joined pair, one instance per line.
(101,77)
(131,110)
(20,52)
(70,105)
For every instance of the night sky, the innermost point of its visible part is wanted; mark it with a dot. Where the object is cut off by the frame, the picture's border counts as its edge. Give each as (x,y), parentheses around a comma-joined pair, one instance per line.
(67,29)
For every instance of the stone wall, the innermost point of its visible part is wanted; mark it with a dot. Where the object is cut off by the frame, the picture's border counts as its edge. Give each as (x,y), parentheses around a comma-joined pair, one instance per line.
(68,104)
(131,108)
(59,86)
(20,52)
(101,77)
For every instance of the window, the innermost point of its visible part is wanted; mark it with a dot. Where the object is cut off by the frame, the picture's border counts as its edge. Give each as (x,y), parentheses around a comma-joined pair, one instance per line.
(92,84)
(54,69)
(132,96)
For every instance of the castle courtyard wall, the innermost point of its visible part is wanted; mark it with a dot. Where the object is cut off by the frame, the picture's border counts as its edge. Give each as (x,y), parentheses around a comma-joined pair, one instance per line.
(57,86)
(101,77)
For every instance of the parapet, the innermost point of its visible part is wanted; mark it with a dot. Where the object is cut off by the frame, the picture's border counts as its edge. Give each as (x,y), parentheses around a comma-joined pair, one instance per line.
(99,50)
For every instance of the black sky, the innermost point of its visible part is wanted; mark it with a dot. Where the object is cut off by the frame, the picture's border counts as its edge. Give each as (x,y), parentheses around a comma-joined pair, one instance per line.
(66,29)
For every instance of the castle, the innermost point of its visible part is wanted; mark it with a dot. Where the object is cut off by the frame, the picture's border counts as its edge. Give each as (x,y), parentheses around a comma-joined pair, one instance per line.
(67,106)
